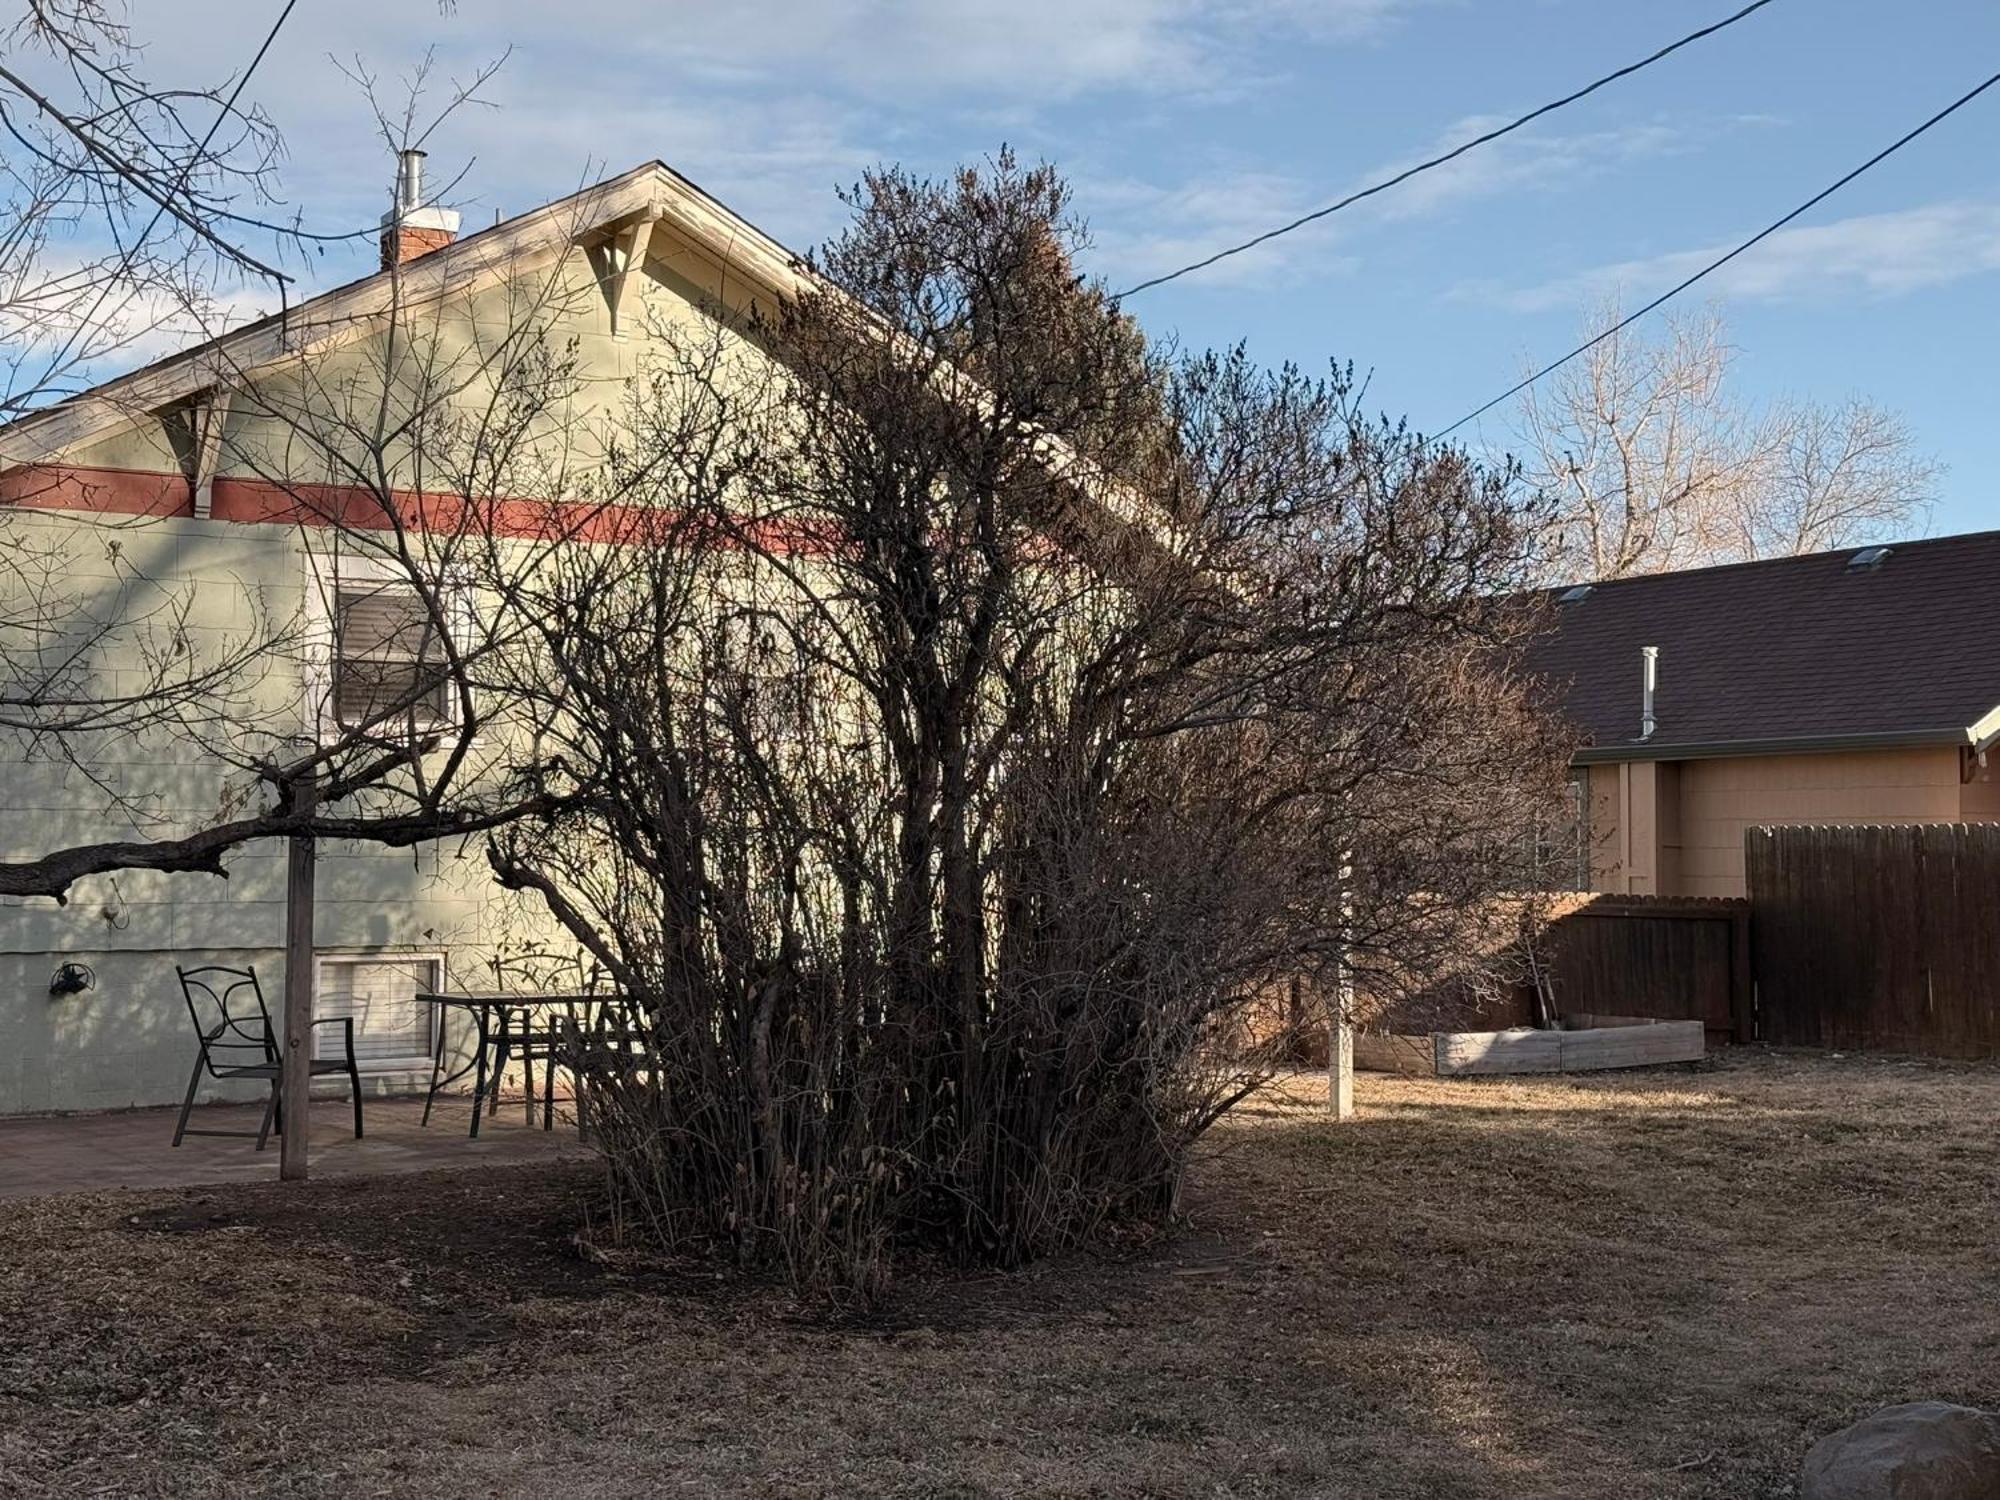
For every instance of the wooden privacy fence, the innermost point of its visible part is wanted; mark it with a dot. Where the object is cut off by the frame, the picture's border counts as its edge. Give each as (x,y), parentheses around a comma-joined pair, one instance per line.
(1654,958)
(1666,958)
(1878,937)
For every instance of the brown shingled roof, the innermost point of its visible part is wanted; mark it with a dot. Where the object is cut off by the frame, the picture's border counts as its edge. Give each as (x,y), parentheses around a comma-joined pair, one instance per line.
(1794,653)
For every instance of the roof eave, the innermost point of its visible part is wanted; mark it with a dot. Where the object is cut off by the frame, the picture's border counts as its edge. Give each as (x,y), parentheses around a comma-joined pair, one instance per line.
(1987,728)
(651,190)
(747,257)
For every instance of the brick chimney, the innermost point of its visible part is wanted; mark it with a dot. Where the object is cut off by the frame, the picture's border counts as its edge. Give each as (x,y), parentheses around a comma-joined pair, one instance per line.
(412,228)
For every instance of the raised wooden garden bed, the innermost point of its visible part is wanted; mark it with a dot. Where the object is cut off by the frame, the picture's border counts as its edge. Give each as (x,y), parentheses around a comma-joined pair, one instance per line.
(1590,1043)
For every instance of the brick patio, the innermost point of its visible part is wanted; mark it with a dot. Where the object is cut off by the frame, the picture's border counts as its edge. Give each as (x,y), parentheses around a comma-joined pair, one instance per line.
(130,1148)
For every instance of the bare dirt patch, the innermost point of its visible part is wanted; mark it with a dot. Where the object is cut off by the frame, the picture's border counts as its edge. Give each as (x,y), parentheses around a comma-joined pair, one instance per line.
(1657,1285)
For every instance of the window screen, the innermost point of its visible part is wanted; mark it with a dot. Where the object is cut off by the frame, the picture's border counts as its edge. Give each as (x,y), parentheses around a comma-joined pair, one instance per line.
(389,663)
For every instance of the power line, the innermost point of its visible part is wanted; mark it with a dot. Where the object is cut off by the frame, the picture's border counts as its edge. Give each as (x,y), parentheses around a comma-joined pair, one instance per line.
(1722,260)
(1451,155)
(179,185)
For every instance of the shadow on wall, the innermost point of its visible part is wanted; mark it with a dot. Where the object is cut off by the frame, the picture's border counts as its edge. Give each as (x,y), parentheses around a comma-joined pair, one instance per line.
(125,1041)
(128,1041)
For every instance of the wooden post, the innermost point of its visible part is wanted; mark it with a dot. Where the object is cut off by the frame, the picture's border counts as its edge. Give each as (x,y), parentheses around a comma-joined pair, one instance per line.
(1340,1041)
(1340,1067)
(296,1056)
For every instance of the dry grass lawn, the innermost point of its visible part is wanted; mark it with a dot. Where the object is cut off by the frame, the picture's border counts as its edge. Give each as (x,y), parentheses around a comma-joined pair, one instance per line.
(1639,1285)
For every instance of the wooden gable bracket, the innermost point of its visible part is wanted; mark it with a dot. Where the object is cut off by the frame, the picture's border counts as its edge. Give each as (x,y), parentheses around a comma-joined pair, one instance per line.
(194,427)
(618,260)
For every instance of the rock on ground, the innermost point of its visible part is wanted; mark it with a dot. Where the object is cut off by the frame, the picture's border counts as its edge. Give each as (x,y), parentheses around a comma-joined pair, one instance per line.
(1925,1450)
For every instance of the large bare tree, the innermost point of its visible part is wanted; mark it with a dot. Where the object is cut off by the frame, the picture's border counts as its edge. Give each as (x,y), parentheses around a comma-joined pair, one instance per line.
(120,191)
(350,677)
(132,201)
(1654,463)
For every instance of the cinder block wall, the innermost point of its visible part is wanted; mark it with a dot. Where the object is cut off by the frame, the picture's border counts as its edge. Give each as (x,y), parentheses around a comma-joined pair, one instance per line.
(129,1041)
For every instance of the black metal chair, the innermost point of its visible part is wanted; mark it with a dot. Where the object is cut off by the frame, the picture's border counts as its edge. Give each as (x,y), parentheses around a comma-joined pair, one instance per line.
(531,1038)
(596,1046)
(557,1041)
(234,1039)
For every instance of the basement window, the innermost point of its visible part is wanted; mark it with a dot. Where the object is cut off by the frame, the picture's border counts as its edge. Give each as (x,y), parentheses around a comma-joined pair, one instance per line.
(393,1031)
(389,658)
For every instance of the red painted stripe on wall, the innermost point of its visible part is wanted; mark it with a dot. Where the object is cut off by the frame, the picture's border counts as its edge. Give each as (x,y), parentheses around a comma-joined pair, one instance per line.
(123,492)
(261,502)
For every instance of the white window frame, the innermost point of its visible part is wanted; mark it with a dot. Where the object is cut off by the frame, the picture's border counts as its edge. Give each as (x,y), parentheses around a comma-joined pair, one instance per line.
(325,575)
(413,1063)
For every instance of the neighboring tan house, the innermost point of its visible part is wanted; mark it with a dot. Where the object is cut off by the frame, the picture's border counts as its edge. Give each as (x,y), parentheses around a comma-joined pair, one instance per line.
(172,479)
(1860,686)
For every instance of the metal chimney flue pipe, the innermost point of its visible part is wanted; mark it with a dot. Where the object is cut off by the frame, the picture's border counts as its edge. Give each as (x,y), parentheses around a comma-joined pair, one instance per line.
(412,227)
(1649,679)
(409,180)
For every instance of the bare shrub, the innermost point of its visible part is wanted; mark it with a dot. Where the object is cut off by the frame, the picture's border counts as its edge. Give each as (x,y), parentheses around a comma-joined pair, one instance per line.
(987,711)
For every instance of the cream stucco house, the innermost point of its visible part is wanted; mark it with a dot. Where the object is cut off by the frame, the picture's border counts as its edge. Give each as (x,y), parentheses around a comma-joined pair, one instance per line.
(1858,686)
(187,487)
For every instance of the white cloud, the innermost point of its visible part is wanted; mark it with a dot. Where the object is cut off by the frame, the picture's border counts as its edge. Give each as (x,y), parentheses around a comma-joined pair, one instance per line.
(1143,229)
(770,106)
(927,48)
(1319,20)
(1537,159)
(1147,229)
(1873,255)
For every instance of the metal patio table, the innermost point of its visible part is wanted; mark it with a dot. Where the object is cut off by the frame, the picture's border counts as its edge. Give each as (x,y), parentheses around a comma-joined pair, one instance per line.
(501,1020)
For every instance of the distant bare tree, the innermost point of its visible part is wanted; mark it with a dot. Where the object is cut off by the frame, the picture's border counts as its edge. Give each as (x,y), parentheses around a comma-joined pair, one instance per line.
(1653,464)
(1838,475)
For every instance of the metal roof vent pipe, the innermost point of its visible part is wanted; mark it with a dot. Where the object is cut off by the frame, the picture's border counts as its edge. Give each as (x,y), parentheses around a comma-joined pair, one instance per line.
(1649,678)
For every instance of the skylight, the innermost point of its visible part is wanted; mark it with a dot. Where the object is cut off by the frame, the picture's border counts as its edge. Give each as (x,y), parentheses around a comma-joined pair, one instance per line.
(1576,593)
(1869,557)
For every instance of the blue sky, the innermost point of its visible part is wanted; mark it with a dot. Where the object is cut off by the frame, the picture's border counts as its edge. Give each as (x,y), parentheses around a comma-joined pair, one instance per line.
(1187,124)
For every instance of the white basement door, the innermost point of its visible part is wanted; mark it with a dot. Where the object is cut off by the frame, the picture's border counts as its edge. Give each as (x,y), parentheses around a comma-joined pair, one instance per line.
(391,1030)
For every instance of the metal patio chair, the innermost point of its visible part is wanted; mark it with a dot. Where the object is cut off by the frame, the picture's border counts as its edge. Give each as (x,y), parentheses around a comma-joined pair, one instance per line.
(608,1051)
(234,1039)
(529,1038)
(556,1039)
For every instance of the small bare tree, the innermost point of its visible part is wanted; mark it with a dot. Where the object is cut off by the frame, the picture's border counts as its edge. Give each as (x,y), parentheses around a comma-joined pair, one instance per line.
(132,201)
(106,655)
(1653,464)
(985,714)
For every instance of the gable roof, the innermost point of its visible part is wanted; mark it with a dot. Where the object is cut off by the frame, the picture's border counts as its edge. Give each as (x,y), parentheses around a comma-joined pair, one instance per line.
(1797,653)
(749,264)
(650,192)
